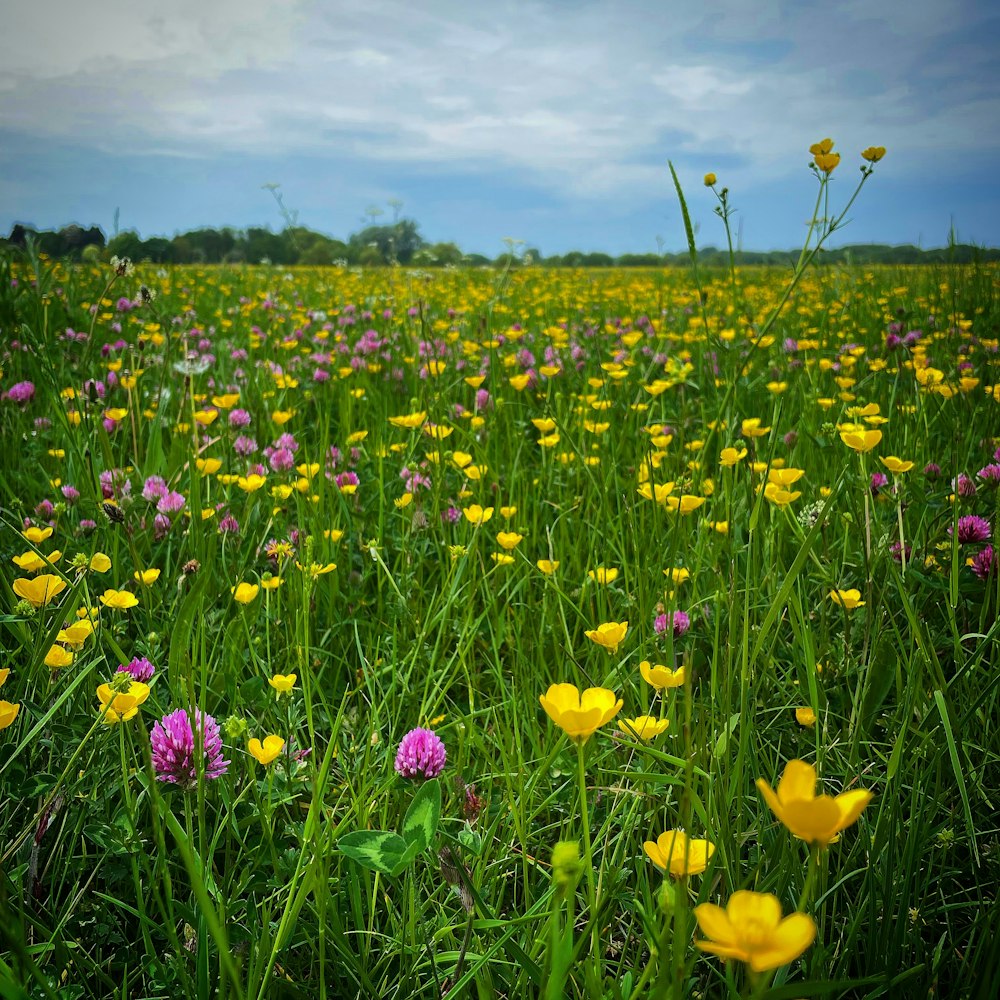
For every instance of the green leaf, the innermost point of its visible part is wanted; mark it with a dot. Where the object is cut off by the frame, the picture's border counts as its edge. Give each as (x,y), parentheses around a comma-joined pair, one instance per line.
(379,850)
(421,820)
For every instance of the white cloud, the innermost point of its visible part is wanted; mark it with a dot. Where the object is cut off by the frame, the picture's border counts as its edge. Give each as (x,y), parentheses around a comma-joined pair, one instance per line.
(583,99)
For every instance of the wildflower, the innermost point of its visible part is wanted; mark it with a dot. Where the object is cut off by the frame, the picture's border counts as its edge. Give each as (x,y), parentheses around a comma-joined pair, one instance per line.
(873,153)
(31,562)
(675,853)
(37,535)
(644,727)
(814,819)
(409,421)
(750,428)
(805,716)
(421,754)
(751,929)
(578,714)
(244,593)
(8,713)
(548,566)
(509,539)
(608,634)
(119,600)
(477,515)
(39,591)
(603,575)
(710,180)
(861,441)
(779,496)
(659,676)
(983,563)
(58,657)
(147,577)
(878,481)
(896,465)
(120,700)
(251,483)
(139,668)
(21,393)
(972,528)
(267,751)
(282,684)
(729,457)
(677,621)
(172,742)
(847,599)
(684,504)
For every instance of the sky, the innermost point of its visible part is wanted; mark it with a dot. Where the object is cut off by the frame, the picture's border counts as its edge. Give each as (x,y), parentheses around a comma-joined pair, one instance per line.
(548,121)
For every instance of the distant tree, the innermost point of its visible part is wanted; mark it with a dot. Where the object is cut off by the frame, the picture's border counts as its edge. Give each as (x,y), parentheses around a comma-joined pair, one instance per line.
(395,243)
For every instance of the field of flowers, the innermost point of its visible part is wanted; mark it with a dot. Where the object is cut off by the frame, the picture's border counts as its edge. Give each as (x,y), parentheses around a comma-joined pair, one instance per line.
(498,633)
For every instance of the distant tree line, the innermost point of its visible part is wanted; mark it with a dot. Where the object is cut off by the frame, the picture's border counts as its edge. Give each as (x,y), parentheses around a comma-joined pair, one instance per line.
(401,243)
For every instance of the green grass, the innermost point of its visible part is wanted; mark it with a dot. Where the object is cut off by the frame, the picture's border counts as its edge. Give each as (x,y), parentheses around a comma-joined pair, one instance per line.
(115,884)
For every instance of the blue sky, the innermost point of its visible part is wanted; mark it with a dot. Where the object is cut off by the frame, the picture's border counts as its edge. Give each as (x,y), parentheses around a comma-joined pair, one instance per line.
(548,121)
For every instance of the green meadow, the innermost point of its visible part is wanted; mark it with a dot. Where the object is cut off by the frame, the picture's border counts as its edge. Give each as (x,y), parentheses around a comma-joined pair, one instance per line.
(686,575)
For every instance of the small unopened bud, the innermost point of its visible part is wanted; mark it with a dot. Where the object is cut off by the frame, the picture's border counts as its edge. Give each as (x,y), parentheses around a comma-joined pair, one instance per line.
(234,727)
(566,865)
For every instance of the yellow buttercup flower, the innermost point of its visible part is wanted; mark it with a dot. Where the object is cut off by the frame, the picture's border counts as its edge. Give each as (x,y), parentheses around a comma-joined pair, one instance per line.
(409,421)
(509,539)
(816,819)
(603,575)
(751,929)
(58,657)
(729,457)
(805,716)
(8,713)
(896,465)
(147,577)
(684,504)
(267,751)
(751,428)
(120,706)
(251,483)
(100,563)
(36,535)
(675,853)
(477,515)
(282,683)
(244,593)
(660,677)
(861,441)
(873,153)
(847,599)
(119,600)
(644,727)
(608,634)
(548,566)
(40,590)
(710,180)
(578,714)
(31,562)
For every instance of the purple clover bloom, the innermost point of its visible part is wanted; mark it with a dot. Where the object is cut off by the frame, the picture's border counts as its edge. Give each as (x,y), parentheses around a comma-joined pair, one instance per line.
(972,528)
(678,621)
(984,562)
(421,754)
(21,393)
(139,667)
(173,748)
(171,503)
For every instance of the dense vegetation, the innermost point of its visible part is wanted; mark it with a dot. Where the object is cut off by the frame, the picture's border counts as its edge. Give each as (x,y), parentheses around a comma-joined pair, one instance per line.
(297,567)
(401,242)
